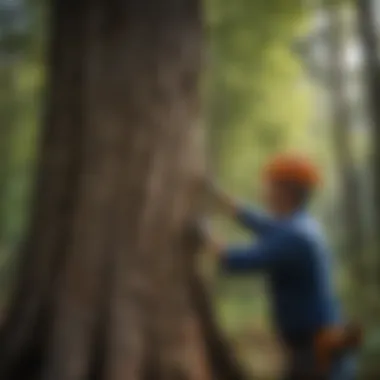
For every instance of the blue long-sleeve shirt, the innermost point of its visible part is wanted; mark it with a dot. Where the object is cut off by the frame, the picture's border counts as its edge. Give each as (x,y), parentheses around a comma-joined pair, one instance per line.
(294,256)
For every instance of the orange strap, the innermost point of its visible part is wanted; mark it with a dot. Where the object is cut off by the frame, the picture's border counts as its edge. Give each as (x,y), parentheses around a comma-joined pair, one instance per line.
(333,340)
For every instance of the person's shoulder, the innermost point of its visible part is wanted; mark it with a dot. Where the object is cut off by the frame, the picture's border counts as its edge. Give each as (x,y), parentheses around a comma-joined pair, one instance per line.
(308,230)
(293,235)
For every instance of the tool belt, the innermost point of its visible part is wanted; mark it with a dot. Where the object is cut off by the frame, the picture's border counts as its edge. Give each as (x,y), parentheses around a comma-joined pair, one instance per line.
(326,346)
(331,342)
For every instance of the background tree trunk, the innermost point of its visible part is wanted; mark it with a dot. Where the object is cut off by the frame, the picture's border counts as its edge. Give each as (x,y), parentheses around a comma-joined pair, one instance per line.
(354,236)
(104,289)
(369,40)
(7,115)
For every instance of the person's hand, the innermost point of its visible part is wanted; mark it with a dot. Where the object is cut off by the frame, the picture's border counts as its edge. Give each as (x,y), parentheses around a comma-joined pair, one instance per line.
(223,201)
(206,238)
(212,245)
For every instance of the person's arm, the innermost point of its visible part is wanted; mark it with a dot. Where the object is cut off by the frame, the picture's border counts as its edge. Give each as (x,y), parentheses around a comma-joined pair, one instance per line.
(254,220)
(266,254)
(251,219)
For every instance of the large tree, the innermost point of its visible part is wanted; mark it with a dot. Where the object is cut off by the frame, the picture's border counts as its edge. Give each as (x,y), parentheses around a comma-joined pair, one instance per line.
(107,285)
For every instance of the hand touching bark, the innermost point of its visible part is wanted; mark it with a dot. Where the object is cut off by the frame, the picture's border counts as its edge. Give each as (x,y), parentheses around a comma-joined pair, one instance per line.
(201,235)
(224,202)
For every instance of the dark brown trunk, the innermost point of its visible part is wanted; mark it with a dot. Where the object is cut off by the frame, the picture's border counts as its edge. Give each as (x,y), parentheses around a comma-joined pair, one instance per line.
(106,289)
(218,353)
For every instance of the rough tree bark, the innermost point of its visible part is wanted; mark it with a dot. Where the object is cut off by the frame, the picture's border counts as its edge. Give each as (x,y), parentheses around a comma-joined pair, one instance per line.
(107,288)
(342,139)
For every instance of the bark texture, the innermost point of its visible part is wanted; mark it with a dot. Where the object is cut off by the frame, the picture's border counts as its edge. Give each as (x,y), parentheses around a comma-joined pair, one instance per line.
(107,288)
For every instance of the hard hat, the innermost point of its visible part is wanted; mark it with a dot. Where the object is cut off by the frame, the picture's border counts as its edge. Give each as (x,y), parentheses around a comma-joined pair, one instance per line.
(292,169)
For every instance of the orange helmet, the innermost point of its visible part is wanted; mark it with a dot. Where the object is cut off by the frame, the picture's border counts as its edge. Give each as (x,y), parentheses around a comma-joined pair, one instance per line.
(292,169)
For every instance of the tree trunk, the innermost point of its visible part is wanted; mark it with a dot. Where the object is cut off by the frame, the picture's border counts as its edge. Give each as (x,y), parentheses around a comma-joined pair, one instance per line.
(105,284)
(369,39)
(7,114)
(342,139)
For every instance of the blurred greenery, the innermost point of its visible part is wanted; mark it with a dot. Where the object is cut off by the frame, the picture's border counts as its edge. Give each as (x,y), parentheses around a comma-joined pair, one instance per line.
(259,98)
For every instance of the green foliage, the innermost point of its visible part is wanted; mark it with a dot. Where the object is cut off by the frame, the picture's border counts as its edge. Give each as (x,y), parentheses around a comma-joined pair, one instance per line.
(257,98)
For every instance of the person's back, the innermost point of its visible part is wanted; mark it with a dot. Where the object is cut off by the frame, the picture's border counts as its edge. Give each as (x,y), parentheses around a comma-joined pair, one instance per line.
(303,293)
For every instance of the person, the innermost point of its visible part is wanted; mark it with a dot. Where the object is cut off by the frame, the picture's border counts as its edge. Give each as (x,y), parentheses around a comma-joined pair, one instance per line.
(291,250)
